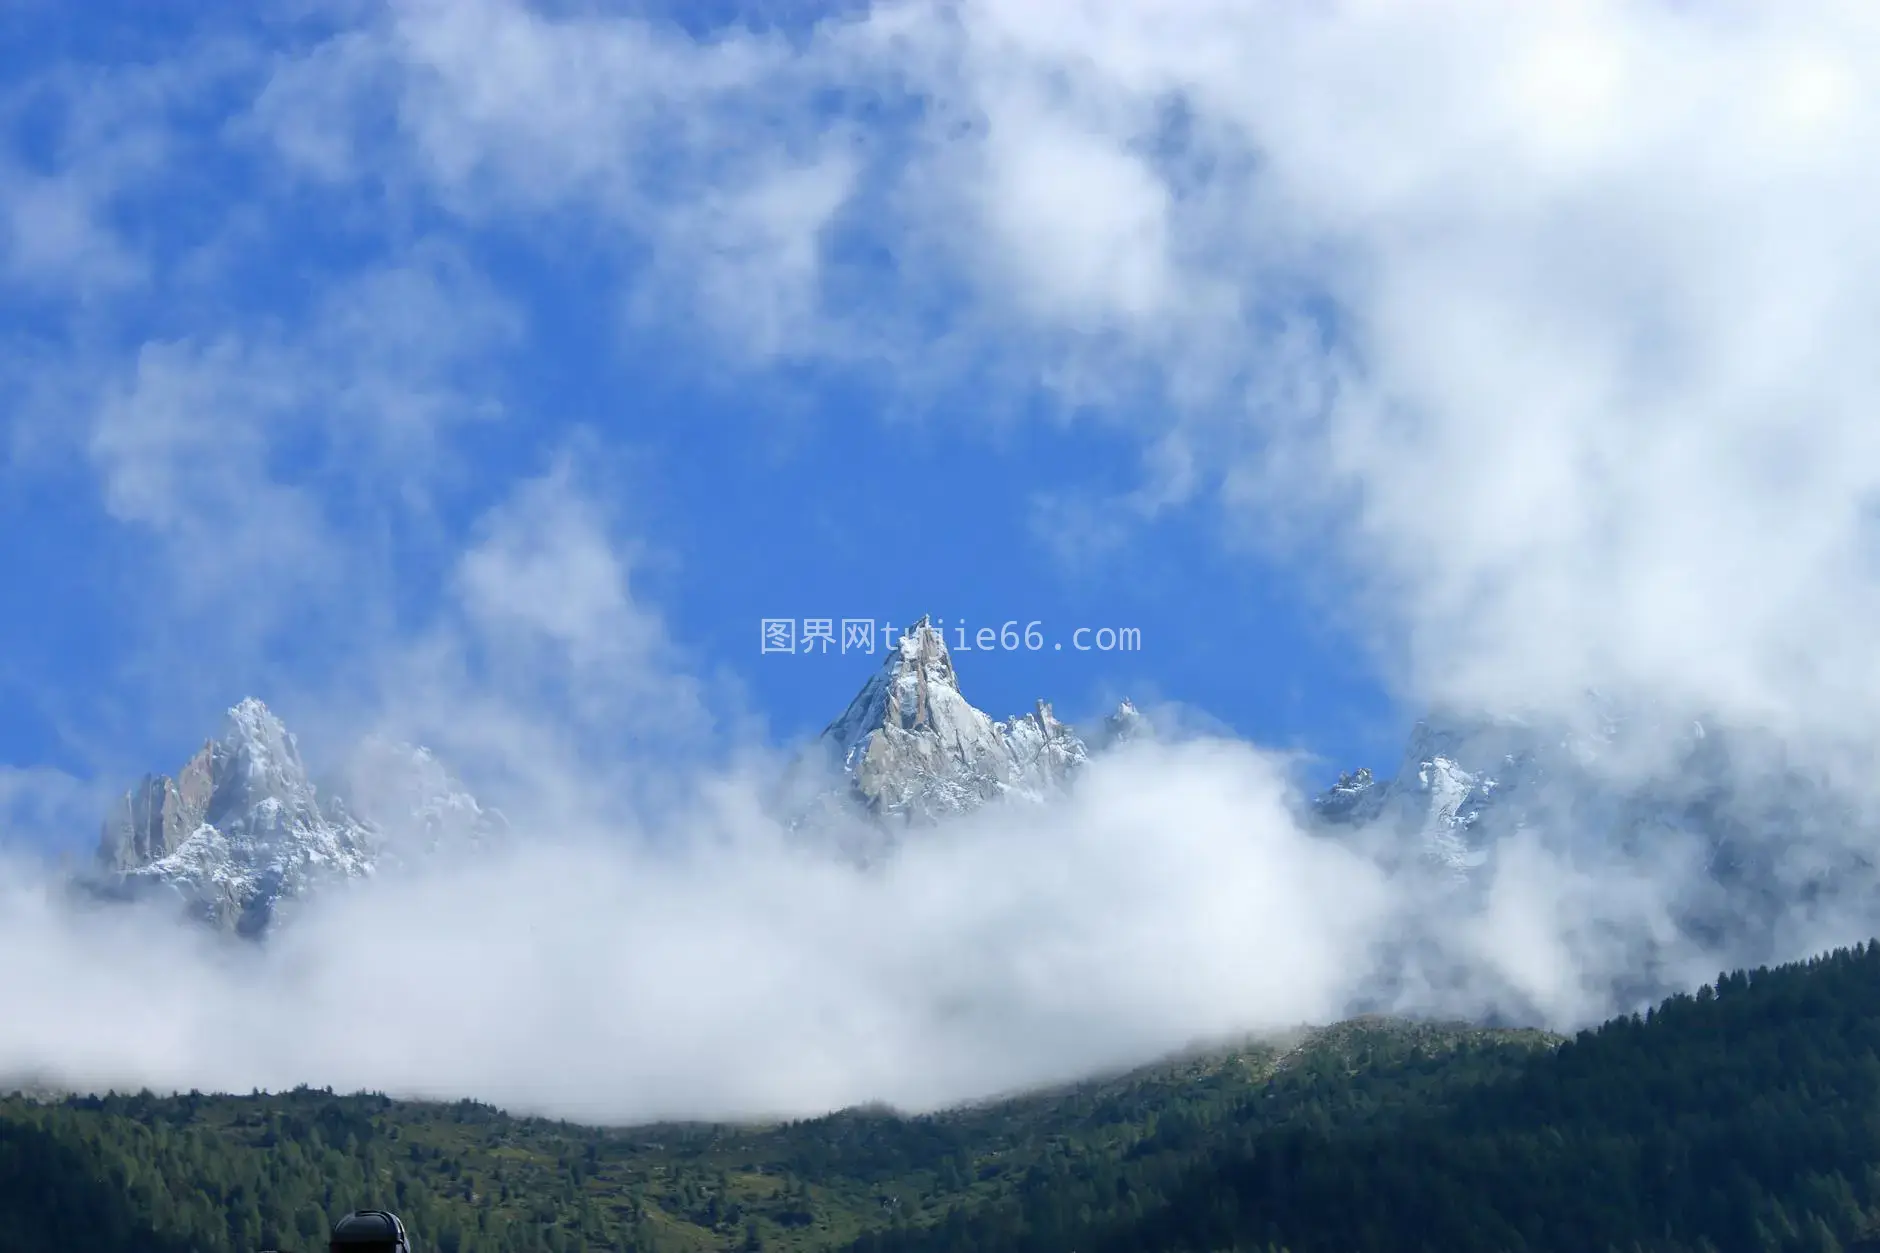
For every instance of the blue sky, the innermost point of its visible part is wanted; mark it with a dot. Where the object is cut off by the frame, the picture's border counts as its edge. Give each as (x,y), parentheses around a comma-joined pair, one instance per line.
(173,242)
(394,361)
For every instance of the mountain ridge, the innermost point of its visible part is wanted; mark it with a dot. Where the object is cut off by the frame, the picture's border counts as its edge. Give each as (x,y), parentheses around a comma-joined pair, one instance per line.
(242,832)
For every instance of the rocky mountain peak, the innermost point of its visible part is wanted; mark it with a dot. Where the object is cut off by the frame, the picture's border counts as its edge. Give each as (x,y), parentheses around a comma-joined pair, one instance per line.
(1447,783)
(242,830)
(1124,725)
(912,747)
(1353,798)
(916,691)
(258,759)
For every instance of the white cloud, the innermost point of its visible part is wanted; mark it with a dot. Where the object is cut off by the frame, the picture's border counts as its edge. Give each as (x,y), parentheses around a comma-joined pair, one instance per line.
(1601,409)
(546,585)
(544,566)
(46,806)
(182,447)
(1551,319)
(663,155)
(1081,226)
(543,674)
(85,147)
(246,454)
(1547,316)
(747,259)
(54,233)
(593,975)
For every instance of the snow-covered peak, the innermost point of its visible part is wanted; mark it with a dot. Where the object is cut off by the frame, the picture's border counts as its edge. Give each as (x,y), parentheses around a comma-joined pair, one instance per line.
(1044,749)
(916,689)
(923,649)
(258,755)
(242,829)
(912,747)
(253,727)
(1451,771)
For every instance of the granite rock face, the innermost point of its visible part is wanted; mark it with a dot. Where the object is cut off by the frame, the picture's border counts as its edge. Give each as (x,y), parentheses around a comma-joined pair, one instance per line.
(911,749)
(153,819)
(242,832)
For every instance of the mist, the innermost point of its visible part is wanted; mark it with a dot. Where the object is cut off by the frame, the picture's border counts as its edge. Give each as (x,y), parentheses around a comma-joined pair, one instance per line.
(736,971)
(704,961)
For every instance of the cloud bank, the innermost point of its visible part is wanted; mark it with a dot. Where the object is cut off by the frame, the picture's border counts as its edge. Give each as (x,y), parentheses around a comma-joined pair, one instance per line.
(737,972)
(1547,322)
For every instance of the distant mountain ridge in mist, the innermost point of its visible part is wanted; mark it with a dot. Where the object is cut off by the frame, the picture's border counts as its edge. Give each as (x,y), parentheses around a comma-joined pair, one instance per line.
(1712,838)
(1463,784)
(1738,837)
(242,831)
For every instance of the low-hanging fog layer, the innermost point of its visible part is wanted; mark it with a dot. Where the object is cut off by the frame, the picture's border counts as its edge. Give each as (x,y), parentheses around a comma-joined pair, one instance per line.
(726,967)
(737,972)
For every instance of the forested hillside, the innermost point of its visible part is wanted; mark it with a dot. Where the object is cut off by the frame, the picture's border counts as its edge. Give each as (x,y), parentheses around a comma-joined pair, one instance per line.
(1744,1117)
(236,1173)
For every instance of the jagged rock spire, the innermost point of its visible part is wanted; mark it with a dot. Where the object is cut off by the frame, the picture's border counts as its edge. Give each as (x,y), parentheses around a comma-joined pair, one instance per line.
(242,829)
(914,748)
(916,689)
